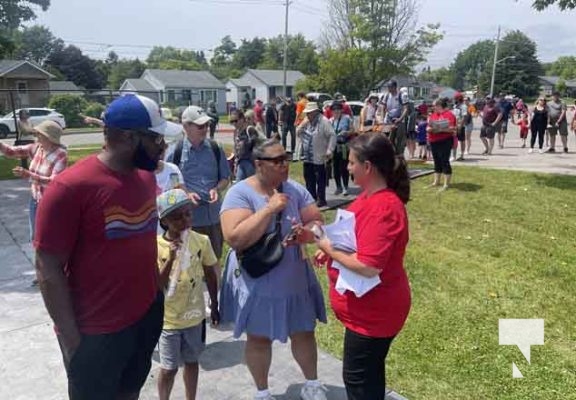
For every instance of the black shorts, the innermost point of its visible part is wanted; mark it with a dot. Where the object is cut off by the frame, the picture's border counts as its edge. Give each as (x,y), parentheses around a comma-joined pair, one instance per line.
(106,365)
(487,131)
(412,135)
(504,126)
(461,134)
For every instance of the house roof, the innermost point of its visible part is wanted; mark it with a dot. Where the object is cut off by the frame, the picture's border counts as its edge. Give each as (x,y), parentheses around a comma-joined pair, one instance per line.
(140,85)
(271,77)
(240,82)
(63,86)
(186,79)
(553,80)
(6,66)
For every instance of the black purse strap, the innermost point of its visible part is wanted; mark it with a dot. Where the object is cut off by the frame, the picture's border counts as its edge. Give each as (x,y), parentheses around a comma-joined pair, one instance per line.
(278,227)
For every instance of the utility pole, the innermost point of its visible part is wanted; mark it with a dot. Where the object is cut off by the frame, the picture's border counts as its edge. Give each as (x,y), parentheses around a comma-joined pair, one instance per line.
(285,64)
(494,63)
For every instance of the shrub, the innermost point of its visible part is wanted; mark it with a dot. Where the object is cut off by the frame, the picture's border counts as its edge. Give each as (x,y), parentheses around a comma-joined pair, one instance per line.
(71,106)
(94,109)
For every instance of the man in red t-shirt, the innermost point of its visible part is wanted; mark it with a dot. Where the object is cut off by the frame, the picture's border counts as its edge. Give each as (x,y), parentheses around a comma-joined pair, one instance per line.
(96,255)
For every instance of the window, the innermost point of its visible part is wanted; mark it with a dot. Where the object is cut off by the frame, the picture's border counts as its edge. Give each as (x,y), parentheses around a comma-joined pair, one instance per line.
(208,95)
(22,86)
(37,112)
(171,96)
(186,95)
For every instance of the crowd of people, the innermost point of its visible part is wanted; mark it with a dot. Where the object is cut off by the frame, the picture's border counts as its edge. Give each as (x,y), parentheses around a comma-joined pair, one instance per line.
(146,224)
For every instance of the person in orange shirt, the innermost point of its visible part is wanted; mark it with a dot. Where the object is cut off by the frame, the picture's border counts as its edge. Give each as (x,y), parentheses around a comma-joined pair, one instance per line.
(300,106)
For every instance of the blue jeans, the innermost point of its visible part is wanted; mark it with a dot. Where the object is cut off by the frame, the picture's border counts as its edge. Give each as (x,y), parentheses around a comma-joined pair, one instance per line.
(244,169)
(32,207)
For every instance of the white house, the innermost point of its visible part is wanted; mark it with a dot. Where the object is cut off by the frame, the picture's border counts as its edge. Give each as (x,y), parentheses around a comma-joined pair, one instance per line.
(179,88)
(261,84)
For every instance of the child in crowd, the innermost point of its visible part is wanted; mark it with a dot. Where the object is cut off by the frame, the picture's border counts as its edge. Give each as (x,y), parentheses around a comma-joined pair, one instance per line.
(524,124)
(421,138)
(185,259)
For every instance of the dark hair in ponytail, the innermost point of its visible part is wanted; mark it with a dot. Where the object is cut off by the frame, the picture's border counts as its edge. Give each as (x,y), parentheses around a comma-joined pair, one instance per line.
(377,148)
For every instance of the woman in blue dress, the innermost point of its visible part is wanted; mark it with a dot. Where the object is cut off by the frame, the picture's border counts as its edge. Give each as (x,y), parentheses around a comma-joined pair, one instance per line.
(287,301)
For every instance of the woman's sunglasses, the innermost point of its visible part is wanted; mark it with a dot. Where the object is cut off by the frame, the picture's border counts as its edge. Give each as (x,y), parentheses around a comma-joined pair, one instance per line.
(280,160)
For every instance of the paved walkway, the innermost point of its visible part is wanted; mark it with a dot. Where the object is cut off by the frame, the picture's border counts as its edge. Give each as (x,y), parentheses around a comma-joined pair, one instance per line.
(31,366)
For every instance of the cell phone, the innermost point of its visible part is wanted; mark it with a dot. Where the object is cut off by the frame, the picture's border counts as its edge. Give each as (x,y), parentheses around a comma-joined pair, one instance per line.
(291,235)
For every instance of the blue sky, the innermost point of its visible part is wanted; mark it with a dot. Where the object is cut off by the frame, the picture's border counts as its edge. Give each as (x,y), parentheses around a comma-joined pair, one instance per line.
(104,25)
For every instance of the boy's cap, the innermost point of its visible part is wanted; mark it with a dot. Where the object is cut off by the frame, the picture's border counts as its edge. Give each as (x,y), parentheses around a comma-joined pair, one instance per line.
(134,112)
(171,200)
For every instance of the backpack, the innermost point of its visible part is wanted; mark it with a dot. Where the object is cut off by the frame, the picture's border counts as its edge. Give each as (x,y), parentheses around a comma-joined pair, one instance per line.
(410,104)
(213,145)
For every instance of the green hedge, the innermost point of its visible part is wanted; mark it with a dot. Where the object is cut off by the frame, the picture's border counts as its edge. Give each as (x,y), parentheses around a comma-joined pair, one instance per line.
(71,106)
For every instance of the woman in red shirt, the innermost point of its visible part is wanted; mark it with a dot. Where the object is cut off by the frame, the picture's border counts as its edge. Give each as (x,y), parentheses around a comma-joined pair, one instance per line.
(373,320)
(441,131)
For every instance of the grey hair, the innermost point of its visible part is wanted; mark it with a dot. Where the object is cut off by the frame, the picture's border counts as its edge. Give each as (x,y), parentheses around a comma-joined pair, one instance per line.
(260,150)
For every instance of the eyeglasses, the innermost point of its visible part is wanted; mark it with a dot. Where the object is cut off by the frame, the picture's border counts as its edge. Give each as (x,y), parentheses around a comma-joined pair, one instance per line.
(233,121)
(280,160)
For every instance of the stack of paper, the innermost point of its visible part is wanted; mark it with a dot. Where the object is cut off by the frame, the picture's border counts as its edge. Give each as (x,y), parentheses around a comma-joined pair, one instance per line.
(343,237)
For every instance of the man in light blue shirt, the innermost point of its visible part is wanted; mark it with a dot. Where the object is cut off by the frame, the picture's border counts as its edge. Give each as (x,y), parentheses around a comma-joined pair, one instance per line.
(206,174)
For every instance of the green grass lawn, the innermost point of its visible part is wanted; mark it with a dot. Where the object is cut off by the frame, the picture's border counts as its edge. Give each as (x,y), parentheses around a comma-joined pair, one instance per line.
(500,244)
(74,155)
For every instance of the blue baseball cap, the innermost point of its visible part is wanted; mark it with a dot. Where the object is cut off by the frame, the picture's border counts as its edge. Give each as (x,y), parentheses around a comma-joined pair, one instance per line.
(134,112)
(171,200)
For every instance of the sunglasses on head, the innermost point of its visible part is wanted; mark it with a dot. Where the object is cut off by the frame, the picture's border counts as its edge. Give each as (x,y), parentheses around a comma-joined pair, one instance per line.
(279,160)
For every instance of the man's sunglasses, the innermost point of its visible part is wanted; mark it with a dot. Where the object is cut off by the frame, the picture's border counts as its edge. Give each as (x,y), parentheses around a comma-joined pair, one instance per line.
(280,160)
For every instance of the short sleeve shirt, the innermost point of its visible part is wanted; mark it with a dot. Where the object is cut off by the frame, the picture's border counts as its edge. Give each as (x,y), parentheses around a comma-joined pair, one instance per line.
(186,306)
(168,178)
(382,236)
(555,109)
(106,223)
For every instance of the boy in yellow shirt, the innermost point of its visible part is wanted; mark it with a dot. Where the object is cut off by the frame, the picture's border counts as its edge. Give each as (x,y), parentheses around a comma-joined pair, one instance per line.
(185,258)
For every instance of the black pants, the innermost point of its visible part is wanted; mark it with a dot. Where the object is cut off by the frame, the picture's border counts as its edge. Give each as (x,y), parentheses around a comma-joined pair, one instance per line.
(107,365)
(289,129)
(364,366)
(340,165)
(315,178)
(537,130)
(212,129)
(441,153)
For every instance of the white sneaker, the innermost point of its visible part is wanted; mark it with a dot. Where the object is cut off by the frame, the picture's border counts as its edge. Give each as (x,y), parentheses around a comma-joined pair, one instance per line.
(313,392)
(467,153)
(452,158)
(530,151)
(541,151)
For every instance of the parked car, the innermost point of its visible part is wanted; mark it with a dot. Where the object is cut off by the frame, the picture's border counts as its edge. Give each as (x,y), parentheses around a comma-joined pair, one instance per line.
(356,106)
(319,98)
(37,115)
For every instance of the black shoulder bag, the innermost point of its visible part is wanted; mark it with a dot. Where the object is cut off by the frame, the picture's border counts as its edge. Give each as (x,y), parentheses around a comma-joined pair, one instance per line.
(265,254)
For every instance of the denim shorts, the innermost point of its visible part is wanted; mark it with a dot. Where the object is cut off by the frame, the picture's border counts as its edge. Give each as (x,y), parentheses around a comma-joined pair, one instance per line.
(182,346)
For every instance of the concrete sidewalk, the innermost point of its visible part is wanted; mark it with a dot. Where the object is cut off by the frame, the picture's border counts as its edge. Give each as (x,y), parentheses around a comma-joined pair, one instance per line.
(31,365)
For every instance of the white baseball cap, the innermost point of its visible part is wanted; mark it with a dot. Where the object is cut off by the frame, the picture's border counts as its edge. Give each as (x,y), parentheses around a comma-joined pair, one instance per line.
(196,115)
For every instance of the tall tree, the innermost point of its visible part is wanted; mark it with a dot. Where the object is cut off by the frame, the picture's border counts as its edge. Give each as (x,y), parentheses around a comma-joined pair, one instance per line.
(386,32)
(77,67)
(249,54)
(35,43)
(12,14)
(518,67)
(221,63)
(442,76)
(562,4)
(302,54)
(470,64)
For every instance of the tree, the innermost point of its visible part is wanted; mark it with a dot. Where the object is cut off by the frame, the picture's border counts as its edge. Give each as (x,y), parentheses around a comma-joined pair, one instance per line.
(35,43)
(221,63)
(562,4)
(302,55)
(384,31)
(249,54)
(172,58)
(12,14)
(470,64)
(124,69)
(518,67)
(77,67)
(564,67)
(442,76)
(561,86)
